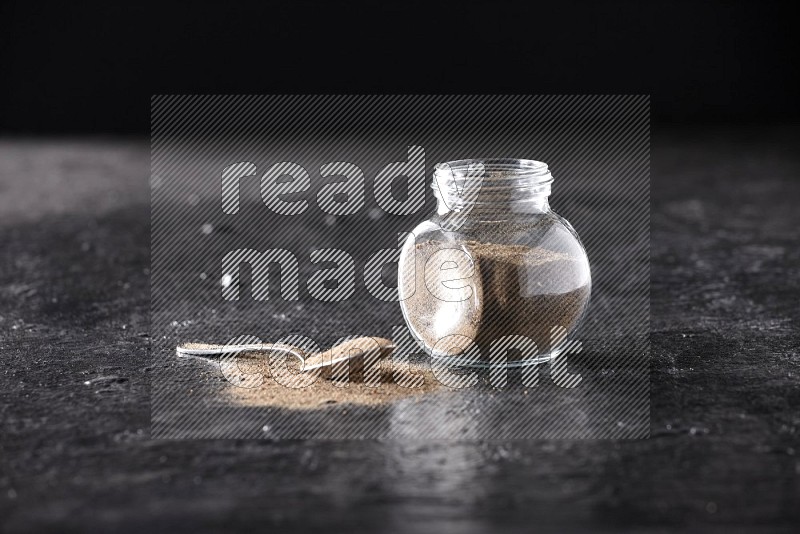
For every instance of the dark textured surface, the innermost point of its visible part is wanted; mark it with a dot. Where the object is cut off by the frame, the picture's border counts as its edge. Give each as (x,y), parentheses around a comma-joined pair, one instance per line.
(74,390)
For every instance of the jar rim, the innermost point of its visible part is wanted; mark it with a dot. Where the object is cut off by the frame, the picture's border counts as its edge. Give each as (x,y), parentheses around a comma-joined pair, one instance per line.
(495,185)
(497,169)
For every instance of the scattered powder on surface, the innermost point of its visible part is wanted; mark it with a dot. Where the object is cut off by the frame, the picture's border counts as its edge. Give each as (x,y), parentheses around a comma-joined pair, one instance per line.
(328,387)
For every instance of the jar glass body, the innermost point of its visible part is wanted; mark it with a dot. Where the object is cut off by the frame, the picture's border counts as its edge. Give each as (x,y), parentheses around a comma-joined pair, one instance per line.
(495,276)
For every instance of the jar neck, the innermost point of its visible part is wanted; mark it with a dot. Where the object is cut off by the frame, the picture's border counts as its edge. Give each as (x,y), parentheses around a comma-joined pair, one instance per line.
(491,188)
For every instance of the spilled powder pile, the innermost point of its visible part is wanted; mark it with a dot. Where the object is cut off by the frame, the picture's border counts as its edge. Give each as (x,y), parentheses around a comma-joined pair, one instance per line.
(324,393)
(515,290)
(326,388)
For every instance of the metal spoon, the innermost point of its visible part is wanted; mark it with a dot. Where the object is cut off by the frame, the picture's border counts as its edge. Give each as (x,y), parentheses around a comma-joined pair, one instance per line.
(355,350)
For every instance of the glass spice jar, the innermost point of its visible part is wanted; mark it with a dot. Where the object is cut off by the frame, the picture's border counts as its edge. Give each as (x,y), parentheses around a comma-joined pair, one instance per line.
(494,268)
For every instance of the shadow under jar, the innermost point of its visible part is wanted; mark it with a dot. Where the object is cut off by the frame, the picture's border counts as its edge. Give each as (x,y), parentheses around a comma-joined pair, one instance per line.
(495,275)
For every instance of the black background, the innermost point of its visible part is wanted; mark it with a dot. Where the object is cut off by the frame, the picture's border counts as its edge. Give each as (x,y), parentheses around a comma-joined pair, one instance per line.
(89,67)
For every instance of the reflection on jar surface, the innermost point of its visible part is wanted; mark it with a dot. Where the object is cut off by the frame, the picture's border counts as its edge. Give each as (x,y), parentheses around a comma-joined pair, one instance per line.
(495,269)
